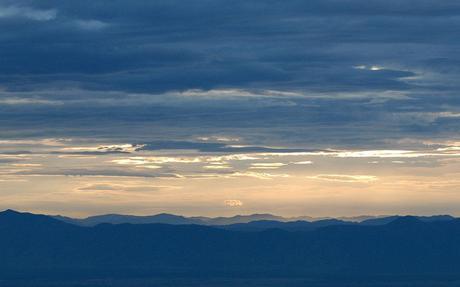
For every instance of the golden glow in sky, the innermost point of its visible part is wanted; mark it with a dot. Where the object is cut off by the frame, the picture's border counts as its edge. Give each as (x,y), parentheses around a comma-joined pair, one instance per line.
(74,178)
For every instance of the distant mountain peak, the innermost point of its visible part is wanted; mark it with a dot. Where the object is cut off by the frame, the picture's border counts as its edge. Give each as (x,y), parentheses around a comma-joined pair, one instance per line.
(10,212)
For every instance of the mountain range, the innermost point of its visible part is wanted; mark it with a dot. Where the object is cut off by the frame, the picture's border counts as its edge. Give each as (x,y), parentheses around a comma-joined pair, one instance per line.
(234,220)
(38,247)
(176,219)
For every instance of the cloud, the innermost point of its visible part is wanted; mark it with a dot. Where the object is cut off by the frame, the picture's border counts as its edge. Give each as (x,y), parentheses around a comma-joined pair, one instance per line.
(12,179)
(303,162)
(15,155)
(345,178)
(219,139)
(150,166)
(392,154)
(180,159)
(122,187)
(7,160)
(199,92)
(217,167)
(91,25)
(228,174)
(27,13)
(95,172)
(222,57)
(101,186)
(117,148)
(268,165)
(27,164)
(211,147)
(34,142)
(259,175)
(27,101)
(156,160)
(220,90)
(233,203)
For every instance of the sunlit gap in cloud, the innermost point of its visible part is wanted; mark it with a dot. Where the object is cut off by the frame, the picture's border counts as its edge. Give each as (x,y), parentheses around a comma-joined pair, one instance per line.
(113,172)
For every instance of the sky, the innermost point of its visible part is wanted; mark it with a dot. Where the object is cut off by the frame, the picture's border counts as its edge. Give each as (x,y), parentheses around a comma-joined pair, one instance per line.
(217,108)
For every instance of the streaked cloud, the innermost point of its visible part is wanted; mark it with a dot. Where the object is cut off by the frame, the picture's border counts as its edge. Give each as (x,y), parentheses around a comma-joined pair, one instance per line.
(371,67)
(219,139)
(27,101)
(27,164)
(305,162)
(93,172)
(345,178)
(27,13)
(123,187)
(123,148)
(259,175)
(32,142)
(217,167)
(267,165)
(91,25)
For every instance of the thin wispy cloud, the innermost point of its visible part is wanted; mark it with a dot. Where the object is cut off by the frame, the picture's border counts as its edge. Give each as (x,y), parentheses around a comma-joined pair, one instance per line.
(12,11)
(345,178)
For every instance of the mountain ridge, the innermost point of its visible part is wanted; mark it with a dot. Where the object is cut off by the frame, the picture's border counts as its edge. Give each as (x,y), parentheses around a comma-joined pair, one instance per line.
(35,246)
(167,218)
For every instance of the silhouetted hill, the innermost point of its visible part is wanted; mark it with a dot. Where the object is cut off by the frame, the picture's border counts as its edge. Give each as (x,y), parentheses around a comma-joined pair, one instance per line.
(25,221)
(253,222)
(289,226)
(40,246)
(388,219)
(120,219)
(175,219)
(167,219)
(240,219)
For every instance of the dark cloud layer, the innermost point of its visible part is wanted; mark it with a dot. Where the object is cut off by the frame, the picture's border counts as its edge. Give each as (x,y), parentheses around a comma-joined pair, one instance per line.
(352,71)
(165,45)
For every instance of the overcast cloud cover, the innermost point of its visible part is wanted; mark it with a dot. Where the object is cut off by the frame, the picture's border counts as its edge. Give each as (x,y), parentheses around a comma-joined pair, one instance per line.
(230,77)
(294,71)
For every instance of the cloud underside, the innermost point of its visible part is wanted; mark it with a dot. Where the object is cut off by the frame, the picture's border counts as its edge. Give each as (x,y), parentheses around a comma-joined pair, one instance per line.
(319,73)
(204,159)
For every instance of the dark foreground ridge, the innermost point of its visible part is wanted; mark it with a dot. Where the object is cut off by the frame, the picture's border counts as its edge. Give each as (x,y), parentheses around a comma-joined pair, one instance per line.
(42,247)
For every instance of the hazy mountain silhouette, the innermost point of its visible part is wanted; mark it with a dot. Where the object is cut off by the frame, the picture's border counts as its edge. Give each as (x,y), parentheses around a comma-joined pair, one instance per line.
(240,219)
(255,222)
(299,225)
(37,246)
(175,219)
(388,219)
(120,219)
